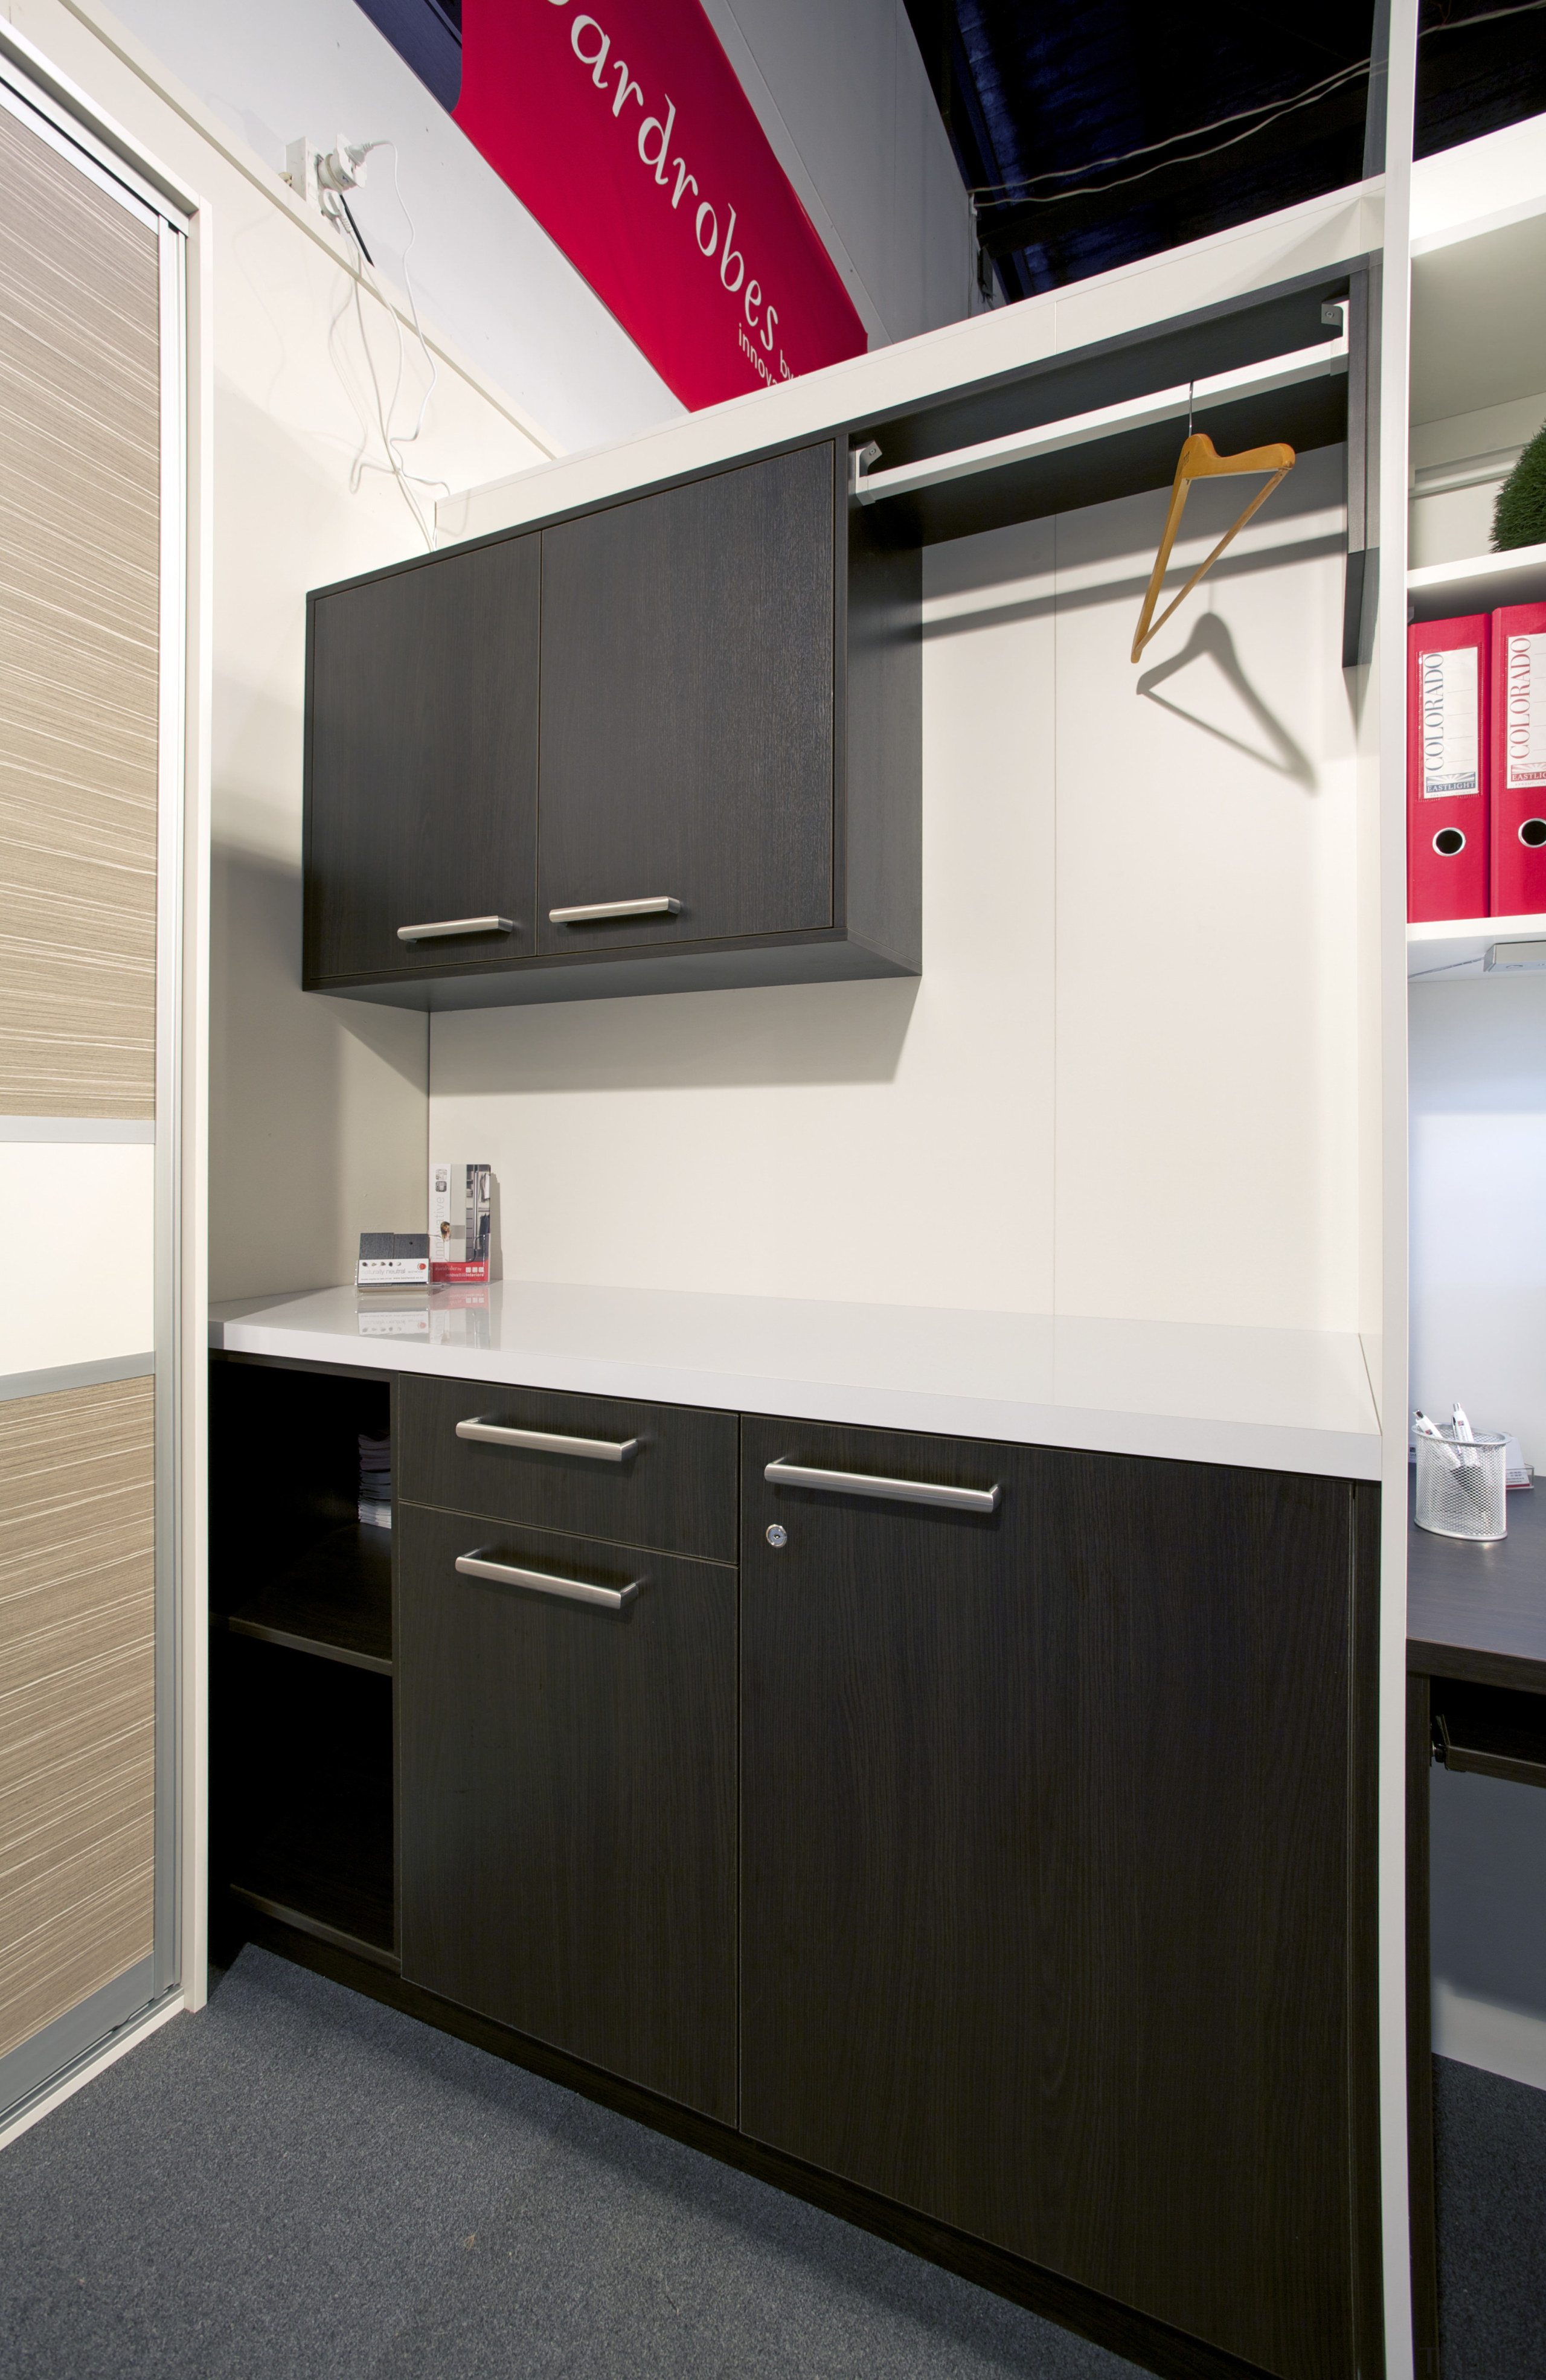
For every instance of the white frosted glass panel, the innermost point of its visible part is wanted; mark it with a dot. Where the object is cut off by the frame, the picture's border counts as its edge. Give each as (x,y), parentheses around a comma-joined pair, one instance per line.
(77,1224)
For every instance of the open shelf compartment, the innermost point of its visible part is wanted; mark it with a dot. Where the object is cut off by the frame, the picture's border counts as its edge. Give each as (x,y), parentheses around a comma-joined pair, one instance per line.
(303,1799)
(302,1727)
(335,1601)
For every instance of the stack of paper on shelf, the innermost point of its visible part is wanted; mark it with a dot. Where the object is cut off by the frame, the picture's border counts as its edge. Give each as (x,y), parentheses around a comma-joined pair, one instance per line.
(375,1481)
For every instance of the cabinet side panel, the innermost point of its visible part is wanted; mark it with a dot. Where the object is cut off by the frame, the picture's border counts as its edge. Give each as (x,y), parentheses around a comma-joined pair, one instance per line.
(1419,2039)
(1044,1877)
(884,742)
(1363,1929)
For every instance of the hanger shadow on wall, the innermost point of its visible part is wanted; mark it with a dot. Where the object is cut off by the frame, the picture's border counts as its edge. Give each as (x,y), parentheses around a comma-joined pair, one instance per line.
(1210,640)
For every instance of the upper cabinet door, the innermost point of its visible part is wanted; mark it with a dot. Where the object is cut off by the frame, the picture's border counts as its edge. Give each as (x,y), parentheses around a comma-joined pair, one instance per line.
(421,788)
(688,670)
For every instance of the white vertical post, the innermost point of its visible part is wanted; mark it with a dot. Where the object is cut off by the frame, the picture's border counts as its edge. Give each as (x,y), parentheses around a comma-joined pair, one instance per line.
(194,1155)
(1390,668)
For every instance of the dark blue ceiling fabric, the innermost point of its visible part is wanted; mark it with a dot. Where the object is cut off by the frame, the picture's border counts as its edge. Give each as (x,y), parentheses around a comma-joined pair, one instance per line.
(428,35)
(1479,67)
(1067,87)
(1039,97)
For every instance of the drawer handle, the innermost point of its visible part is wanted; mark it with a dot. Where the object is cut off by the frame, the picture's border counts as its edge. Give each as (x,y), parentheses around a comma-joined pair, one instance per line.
(864,1483)
(549,1442)
(547,1581)
(659,905)
(457,925)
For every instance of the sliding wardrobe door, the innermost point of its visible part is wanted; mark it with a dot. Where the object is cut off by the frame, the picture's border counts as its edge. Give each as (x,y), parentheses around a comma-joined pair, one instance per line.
(89,672)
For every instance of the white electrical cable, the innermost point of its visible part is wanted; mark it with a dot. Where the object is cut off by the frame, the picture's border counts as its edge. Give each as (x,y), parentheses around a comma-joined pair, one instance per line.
(338,213)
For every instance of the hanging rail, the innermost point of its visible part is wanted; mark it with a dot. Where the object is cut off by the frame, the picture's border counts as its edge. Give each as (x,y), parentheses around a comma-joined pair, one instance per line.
(870,487)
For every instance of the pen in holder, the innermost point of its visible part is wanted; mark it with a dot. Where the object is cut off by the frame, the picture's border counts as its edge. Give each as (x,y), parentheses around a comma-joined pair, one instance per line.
(1462,1486)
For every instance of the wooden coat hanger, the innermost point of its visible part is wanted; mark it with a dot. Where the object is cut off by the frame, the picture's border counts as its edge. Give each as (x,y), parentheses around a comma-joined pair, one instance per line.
(1200,461)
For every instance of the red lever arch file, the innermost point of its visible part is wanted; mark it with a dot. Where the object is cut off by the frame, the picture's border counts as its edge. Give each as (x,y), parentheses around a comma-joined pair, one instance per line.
(1519,761)
(1447,758)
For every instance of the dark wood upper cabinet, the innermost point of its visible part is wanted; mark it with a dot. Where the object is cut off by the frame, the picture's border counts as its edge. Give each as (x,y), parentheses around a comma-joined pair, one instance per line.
(728,677)
(1056,1892)
(421,764)
(688,670)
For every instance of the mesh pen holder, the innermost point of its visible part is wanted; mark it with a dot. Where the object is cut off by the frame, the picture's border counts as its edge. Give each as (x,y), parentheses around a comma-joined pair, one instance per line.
(1462,1486)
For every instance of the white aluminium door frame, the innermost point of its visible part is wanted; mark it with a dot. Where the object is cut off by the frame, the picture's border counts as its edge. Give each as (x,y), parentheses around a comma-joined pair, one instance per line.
(72,2048)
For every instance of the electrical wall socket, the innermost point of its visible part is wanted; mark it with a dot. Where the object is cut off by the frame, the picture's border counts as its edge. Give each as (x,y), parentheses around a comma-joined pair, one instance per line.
(300,168)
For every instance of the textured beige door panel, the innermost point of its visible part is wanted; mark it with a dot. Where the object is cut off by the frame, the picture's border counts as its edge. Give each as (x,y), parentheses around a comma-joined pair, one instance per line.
(76,1696)
(80,635)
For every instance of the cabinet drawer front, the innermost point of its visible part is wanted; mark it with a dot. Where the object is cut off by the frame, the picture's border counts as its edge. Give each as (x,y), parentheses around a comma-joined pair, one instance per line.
(687,712)
(568,1798)
(658,1475)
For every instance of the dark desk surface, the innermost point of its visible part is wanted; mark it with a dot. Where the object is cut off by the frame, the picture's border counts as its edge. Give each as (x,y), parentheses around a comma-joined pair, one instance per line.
(1480,1612)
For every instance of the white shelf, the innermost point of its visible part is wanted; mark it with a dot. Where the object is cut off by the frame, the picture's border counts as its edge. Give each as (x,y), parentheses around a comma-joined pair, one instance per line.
(1458,946)
(1476,339)
(1446,590)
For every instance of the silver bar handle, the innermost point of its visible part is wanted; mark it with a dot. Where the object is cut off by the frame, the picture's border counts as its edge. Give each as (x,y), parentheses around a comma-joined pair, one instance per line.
(547,1581)
(549,1442)
(456,926)
(658,904)
(897,1492)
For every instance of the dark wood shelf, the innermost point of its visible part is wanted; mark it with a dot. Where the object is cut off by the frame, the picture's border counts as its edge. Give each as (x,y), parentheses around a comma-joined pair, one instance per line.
(331,1876)
(302,1921)
(1489,1730)
(336,1601)
(1479,1611)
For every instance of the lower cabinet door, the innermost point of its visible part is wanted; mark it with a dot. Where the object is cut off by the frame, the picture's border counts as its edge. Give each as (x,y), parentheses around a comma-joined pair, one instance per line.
(1053,1923)
(567,1796)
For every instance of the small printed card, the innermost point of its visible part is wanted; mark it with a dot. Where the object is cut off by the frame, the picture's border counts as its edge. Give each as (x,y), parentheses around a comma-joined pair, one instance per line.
(388,1258)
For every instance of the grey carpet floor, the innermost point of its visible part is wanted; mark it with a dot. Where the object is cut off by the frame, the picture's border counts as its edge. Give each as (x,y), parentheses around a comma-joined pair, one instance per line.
(1490,2138)
(298,2182)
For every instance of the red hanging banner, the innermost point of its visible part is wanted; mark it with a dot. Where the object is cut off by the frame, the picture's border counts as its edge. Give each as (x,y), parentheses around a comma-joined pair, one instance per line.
(629,138)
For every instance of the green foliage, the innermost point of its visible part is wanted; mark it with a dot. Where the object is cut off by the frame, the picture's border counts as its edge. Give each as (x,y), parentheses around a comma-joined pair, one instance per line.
(1519,516)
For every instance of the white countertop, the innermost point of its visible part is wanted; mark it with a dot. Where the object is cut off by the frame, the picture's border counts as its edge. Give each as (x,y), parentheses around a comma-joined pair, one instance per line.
(1270,1400)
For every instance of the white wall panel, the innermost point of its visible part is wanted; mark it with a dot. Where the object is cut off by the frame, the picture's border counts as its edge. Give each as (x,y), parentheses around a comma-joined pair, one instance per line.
(1207,1119)
(1126,1082)
(78,1224)
(1478,1197)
